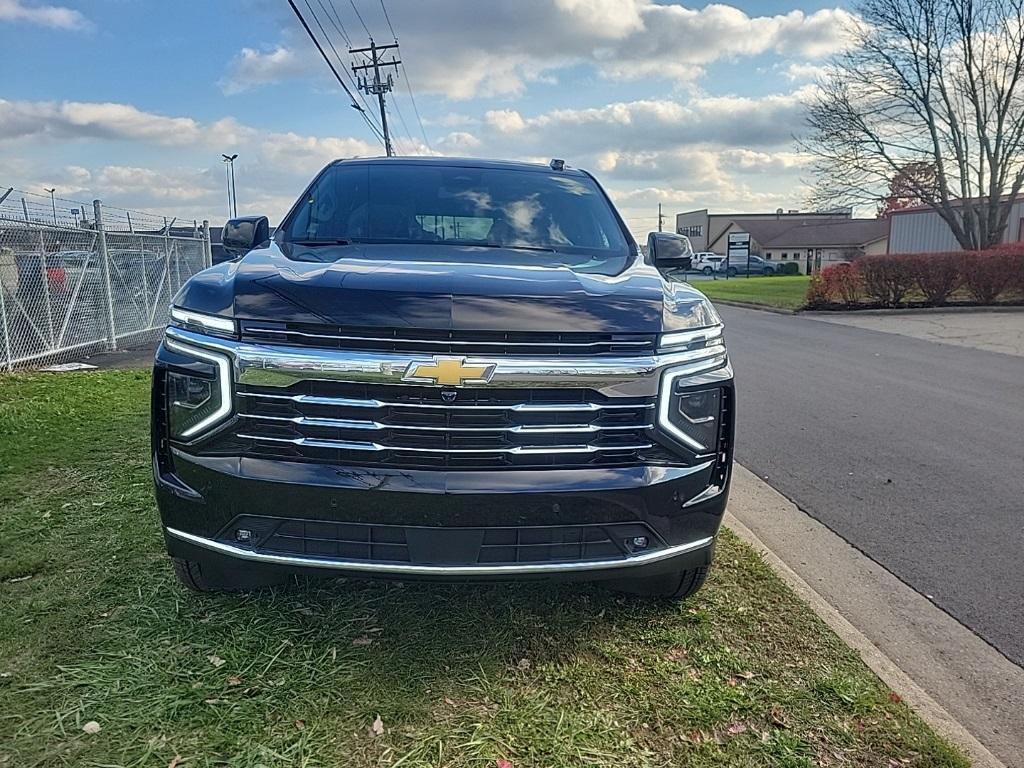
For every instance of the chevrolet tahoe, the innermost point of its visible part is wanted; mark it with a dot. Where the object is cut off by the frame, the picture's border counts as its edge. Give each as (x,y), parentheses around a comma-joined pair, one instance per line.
(443,369)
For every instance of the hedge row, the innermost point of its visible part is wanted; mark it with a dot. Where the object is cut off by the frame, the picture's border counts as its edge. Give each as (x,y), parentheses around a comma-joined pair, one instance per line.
(889,280)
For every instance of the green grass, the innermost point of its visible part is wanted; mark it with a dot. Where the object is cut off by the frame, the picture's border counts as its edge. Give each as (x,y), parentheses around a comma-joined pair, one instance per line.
(94,628)
(784,291)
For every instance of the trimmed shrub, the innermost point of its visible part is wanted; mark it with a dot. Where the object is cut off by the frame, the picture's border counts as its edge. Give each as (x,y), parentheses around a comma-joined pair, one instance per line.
(886,278)
(936,275)
(843,282)
(788,268)
(987,273)
(817,296)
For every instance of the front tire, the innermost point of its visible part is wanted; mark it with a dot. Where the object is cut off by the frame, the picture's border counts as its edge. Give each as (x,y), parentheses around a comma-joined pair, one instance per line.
(731,272)
(669,586)
(707,271)
(202,577)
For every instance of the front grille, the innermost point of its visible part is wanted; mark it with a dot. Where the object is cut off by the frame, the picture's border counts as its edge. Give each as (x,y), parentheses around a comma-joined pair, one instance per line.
(495,343)
(410,426)
(439,545)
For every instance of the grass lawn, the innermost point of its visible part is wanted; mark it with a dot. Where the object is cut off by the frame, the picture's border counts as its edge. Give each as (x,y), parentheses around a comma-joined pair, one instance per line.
(785,291)
(93,629)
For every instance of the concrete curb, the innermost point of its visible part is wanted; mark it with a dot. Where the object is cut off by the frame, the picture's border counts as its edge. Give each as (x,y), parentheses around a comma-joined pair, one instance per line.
(914,311)
(750,305)
(916,697)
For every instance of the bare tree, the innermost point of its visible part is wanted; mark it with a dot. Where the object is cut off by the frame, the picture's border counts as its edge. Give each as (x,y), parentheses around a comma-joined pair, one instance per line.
(929,82)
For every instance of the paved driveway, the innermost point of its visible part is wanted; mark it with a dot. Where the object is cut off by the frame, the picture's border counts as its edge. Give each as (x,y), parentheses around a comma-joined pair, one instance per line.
(911,450)
(994,330)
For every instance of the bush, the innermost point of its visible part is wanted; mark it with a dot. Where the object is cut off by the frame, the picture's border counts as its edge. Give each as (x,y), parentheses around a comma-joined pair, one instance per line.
(817,296)
(788,268)
(843,281)
(936,275)
(887,278)
(987,273)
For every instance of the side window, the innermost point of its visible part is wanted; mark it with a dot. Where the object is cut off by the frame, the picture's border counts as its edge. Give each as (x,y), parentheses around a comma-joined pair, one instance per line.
(329,205)
(785,255)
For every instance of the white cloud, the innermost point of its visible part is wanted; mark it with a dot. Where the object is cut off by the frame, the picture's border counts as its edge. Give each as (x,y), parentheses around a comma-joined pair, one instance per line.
(252,68)
(804,70)
(109,120)
(505,44)
(459,143)
(55,16)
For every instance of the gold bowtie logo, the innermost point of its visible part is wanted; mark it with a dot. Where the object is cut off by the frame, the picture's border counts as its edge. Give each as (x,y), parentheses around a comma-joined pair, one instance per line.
(449,371)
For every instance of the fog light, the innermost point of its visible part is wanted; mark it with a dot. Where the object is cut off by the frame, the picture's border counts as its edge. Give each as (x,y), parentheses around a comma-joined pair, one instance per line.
(639,542)
(243,534)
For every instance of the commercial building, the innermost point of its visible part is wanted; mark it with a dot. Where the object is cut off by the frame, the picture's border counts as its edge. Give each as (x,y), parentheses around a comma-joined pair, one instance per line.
(922,230)
(811,240)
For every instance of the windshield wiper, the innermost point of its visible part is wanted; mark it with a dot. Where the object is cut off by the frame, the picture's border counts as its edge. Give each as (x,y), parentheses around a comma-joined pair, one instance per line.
(323,241)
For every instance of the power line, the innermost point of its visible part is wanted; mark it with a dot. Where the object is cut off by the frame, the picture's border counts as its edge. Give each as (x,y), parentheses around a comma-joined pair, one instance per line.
(355,104)
(388,19)
(336,22)
(360,17)
(408,86)
(408,83)
(369,115)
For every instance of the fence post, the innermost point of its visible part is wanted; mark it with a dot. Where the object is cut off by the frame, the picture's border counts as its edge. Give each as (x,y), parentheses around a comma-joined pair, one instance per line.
(108,294)
(207,247)
(4,328)
(44,282)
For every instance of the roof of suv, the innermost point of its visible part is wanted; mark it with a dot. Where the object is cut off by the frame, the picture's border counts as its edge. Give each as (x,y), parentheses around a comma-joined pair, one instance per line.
(464,162)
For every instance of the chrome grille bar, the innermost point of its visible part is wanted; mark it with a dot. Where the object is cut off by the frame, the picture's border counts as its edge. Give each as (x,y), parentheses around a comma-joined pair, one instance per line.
(348,402)
(317,421)
(350,445)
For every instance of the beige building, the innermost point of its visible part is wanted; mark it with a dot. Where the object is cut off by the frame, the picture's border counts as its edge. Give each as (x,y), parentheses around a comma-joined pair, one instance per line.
(811,240)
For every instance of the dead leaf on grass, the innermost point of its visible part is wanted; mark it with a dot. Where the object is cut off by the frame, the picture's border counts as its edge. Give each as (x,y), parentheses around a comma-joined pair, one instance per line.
(234,680)
(736,729)
(217,661)
(362,641)
(377,729)
(176,761)
(894,697)
(92,727)
(503,763)
(300,725)
(523,664)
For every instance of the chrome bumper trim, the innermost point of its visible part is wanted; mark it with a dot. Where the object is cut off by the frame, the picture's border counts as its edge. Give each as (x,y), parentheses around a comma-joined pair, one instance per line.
(437,570)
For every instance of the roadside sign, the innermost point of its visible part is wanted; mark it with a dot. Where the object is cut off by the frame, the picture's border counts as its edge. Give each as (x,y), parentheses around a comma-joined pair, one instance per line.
(739,249)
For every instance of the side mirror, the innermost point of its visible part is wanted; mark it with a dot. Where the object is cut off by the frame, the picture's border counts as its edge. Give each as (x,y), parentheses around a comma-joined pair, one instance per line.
(667,250)
(243,234)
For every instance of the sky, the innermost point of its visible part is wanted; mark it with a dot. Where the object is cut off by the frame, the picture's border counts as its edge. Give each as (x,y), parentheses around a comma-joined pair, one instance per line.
(133,101)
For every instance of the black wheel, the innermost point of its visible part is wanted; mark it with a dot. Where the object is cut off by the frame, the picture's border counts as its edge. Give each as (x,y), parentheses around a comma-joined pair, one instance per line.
(731,272)
(707,270)
(669,586)
(200,577)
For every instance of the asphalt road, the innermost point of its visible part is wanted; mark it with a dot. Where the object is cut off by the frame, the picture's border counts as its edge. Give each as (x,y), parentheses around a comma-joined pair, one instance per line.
(911,450)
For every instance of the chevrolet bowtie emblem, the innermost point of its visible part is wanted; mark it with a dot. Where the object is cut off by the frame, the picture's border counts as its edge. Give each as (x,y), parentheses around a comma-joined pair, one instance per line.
(449,371)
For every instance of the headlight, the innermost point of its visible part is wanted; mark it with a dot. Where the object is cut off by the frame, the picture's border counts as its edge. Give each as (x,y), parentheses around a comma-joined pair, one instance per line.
(200,321)
(690,414)
(197,401)
(676,341)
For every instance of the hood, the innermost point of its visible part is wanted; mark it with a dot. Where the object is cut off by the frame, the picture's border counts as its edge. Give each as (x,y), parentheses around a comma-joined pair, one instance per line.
(396,286)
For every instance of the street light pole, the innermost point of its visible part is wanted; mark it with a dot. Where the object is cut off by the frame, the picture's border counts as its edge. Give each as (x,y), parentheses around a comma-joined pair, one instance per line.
(53,205)
(229,172)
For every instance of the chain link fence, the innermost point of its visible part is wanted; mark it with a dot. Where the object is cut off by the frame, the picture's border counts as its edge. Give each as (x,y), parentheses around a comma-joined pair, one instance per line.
(78,277)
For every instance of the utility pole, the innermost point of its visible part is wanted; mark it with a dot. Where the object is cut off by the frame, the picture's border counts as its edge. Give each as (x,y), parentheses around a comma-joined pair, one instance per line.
(661,218)
(377,87)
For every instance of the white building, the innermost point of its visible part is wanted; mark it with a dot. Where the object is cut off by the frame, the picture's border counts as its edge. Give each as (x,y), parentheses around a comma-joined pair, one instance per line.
(812,240)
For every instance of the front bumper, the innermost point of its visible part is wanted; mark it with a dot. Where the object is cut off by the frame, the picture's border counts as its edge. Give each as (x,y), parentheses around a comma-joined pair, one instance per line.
(575,524)
(580,522)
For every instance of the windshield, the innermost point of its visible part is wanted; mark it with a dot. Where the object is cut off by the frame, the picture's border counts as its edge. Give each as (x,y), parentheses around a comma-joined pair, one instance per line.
(552,218)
